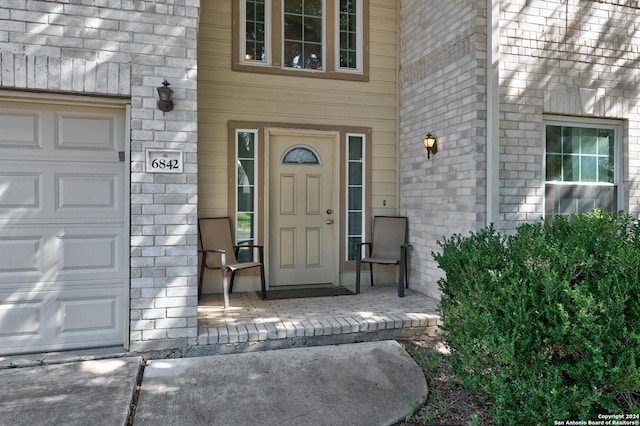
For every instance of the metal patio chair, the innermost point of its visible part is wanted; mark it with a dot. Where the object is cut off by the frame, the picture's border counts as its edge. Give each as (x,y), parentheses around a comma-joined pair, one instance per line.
(388,246)
(219,252)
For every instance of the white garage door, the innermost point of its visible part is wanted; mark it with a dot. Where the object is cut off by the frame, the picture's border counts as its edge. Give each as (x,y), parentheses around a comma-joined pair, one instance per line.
(63,274)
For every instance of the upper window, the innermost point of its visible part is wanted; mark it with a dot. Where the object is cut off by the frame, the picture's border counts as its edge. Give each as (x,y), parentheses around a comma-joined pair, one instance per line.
(318,38)
(349,34)
(303,34)
(254,28)
(582,166)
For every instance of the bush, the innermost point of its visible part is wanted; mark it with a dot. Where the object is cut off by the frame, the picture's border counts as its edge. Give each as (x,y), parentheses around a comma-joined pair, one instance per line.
(547,321)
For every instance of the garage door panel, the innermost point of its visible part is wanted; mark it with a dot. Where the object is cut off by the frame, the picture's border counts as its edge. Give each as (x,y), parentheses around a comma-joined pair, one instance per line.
(85,315)
(89,254)
(21,255)
(21,319)
(61,319)
(20,129)
(84,190)
(20,190)
(23,322)
(89,316)
(86,131)
(92,190)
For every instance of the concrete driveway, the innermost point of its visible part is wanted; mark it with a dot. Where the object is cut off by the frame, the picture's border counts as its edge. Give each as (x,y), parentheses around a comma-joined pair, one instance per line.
(373,383)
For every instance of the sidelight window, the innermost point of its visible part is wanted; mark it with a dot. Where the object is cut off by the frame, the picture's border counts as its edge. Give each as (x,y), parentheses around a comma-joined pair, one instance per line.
(246,173)
(355,194)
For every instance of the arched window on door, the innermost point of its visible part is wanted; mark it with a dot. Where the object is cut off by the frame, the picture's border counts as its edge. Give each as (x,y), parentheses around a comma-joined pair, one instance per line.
(300,154)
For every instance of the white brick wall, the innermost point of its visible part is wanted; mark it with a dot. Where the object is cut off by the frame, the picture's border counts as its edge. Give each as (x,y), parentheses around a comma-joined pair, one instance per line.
(125,48)
(566,57)
(563,57)
(442,85)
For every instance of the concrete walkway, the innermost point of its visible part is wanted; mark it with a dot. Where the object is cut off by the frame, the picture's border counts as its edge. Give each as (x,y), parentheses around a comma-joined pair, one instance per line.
(79,393)
(374,383)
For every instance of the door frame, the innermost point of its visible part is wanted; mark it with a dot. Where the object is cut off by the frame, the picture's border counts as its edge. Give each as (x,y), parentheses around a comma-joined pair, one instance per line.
(127,225)
(345,267)
(337,199)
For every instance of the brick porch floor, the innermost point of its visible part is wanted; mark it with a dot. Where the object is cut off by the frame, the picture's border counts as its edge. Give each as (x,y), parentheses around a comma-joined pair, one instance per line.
(254,324)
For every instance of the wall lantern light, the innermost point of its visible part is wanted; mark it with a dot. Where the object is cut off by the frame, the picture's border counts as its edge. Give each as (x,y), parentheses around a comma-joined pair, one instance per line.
(165,104)
(430,145)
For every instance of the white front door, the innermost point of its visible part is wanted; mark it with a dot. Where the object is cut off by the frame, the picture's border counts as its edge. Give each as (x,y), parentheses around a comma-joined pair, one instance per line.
(63,232)
(303,208)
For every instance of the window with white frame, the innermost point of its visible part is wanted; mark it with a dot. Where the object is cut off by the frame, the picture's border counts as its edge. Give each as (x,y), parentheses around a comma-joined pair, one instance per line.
(324,37)
(303,33)
(245,183)
(254,27)
(349,29)
(582,165)
(355,194)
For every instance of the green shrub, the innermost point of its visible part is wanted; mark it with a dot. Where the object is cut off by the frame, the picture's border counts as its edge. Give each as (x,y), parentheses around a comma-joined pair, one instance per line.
(547,321)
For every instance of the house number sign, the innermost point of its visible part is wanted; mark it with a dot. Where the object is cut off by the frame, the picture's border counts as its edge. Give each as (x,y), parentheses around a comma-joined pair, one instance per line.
(164,161)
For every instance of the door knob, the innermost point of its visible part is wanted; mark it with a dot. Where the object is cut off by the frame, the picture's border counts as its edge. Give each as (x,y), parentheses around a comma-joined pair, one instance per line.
(329,221)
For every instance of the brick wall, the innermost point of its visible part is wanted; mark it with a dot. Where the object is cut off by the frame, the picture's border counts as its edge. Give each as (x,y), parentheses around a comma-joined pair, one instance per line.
(442,82)
(566,57)
(562,57)
(125,48)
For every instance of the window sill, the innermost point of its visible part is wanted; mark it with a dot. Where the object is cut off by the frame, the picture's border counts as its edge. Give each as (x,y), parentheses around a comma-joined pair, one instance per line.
(327,75)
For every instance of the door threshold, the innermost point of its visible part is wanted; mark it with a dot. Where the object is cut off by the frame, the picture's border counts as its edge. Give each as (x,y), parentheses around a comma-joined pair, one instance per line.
(301,286)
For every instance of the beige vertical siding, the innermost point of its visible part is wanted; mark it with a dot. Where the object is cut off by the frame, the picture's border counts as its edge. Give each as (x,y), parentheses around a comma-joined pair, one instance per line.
(225,95)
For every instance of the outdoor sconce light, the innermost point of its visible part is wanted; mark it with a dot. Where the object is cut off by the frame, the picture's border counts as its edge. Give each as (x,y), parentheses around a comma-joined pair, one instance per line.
(165,104)
(430,145)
